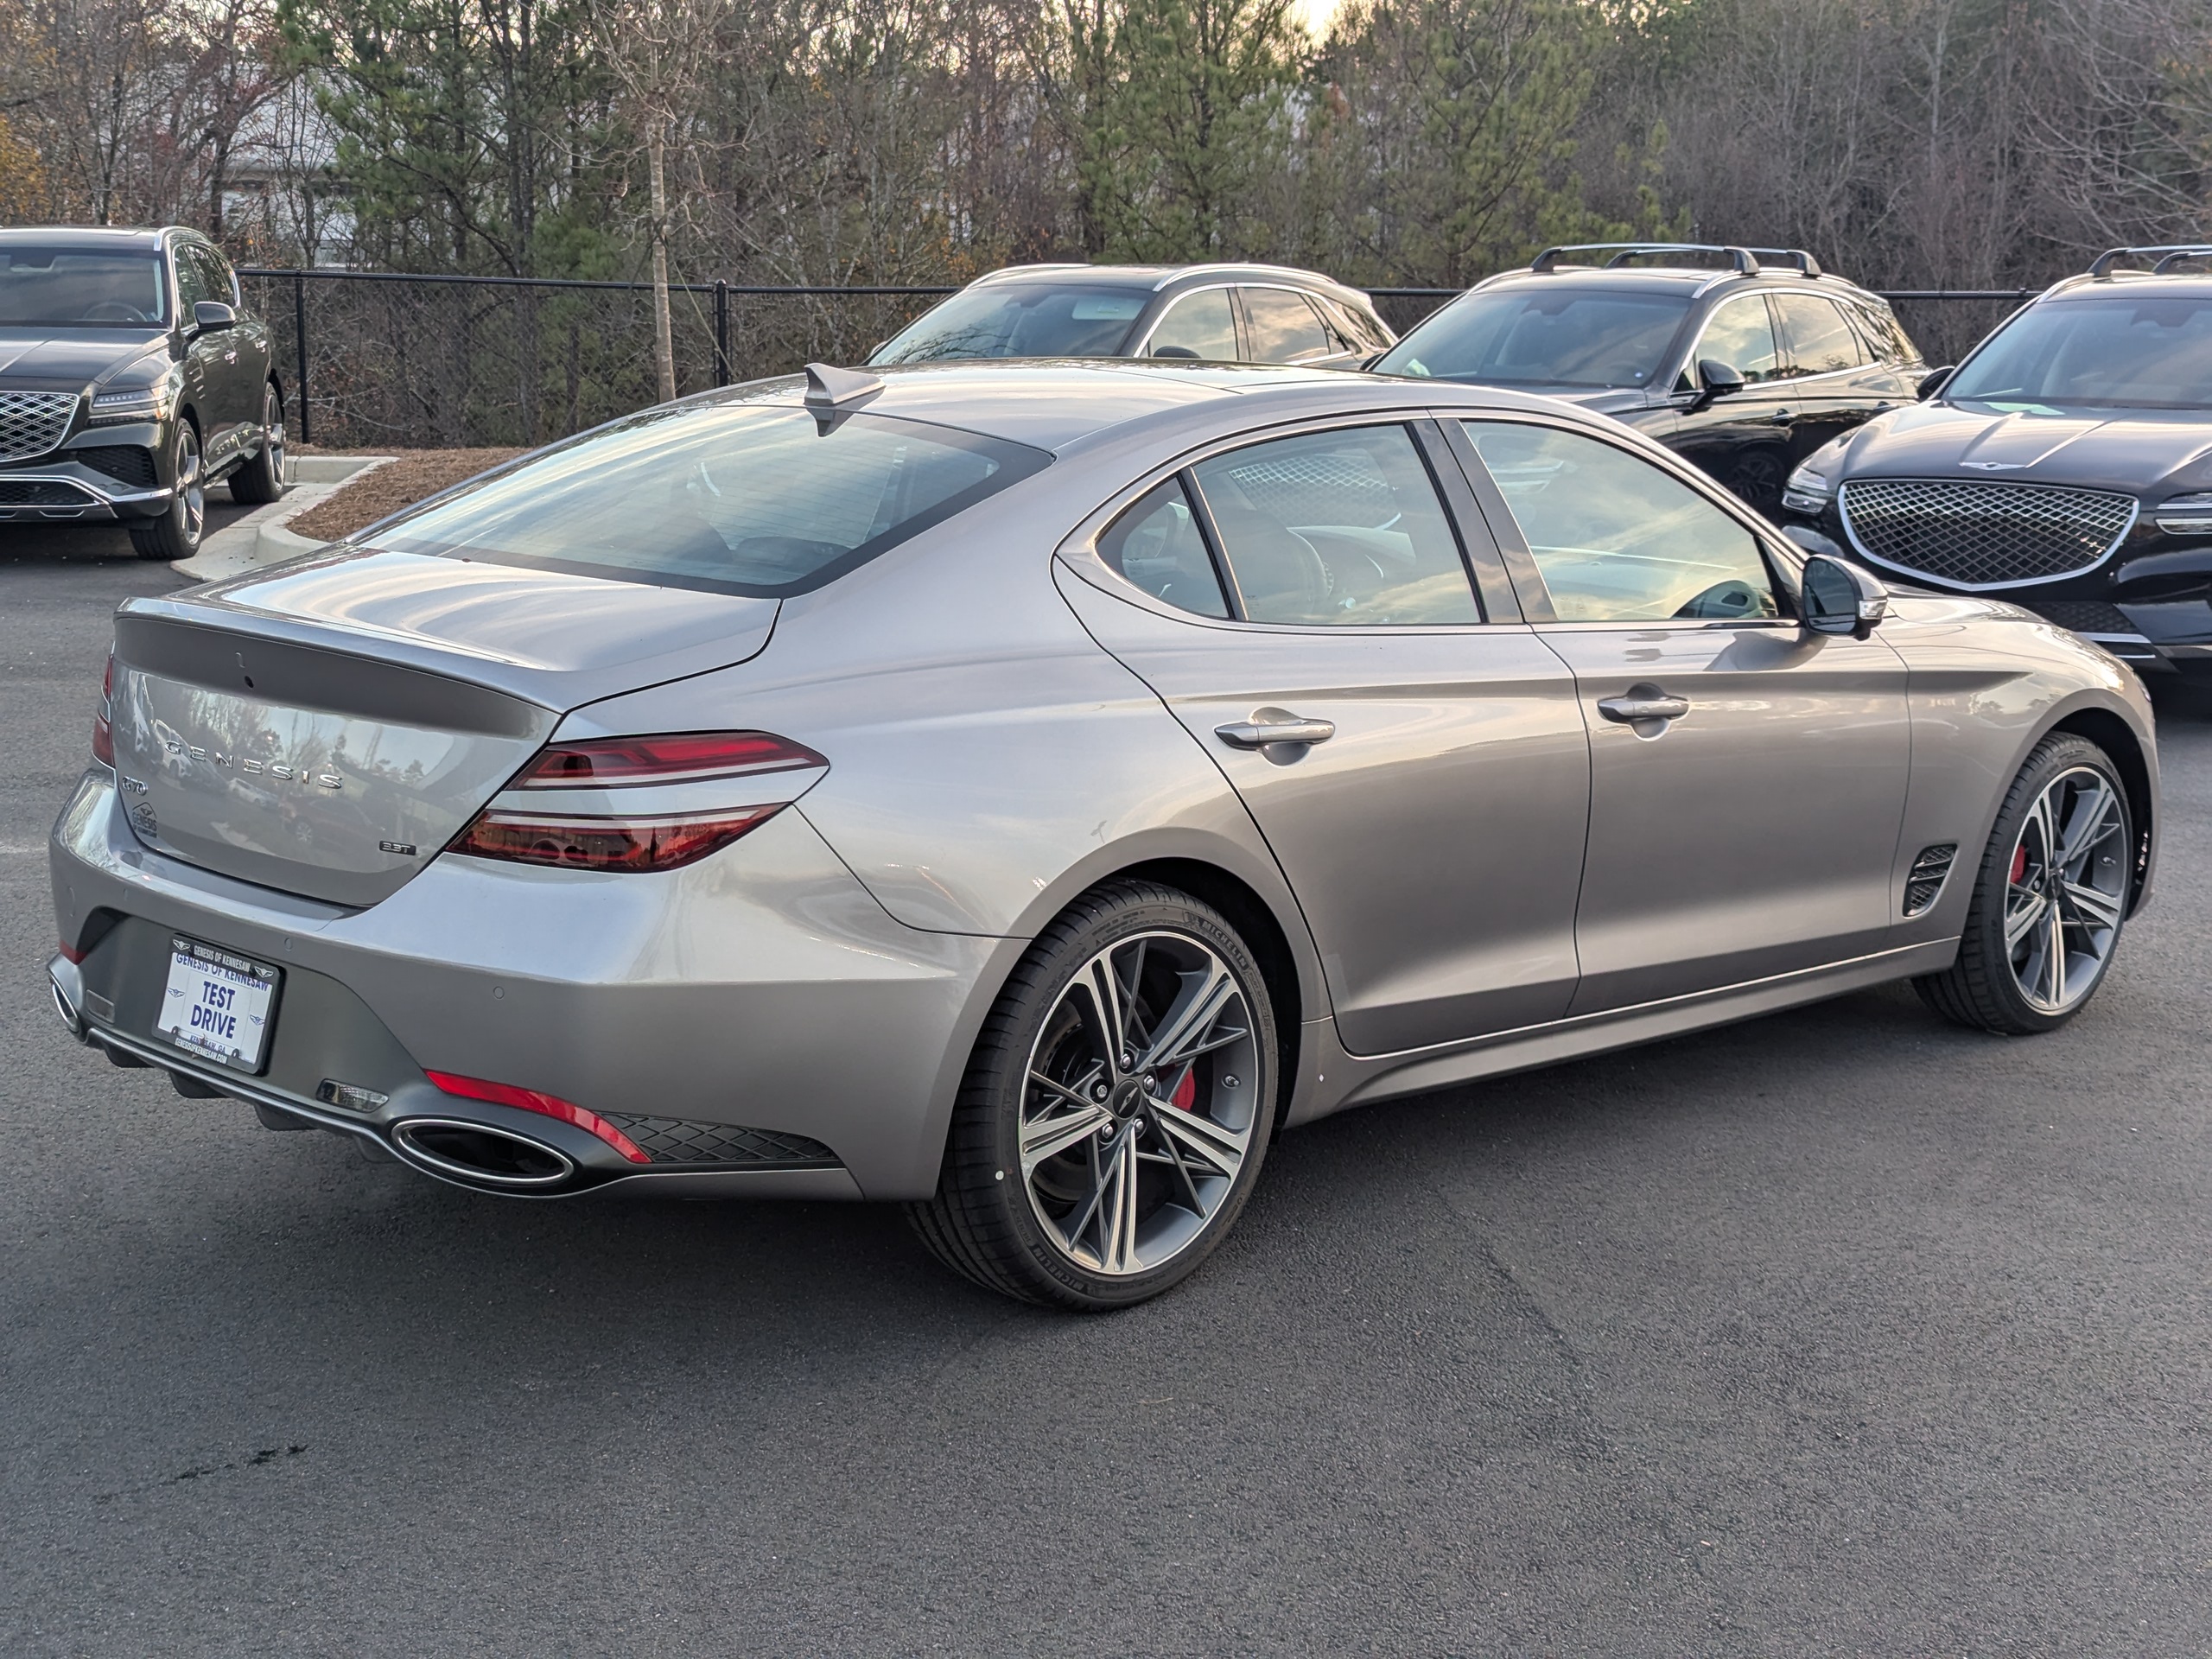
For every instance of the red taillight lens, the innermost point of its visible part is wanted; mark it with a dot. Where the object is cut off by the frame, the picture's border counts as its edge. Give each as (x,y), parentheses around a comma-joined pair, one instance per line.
(531,1100)
(103,731)
(640,803)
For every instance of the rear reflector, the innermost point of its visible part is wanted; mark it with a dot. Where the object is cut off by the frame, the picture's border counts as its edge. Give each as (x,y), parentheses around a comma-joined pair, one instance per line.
(531,1100)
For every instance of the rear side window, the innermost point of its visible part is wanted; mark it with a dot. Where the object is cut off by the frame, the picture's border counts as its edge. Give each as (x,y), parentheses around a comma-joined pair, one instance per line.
(1156,545)
(732,498)
(1821,341)
(1284,327)
(1336,528)
(1362,327)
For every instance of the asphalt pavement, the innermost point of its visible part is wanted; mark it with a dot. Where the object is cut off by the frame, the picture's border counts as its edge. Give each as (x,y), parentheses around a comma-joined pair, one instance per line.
(1839,1331)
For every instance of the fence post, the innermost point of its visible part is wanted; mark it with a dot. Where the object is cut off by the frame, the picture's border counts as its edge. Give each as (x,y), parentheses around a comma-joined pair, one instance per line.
(300,339)
(721,331)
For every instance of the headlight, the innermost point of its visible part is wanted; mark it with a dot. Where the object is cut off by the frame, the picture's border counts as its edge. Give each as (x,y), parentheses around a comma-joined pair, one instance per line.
(2186,515)
(132,404)
(1807,491)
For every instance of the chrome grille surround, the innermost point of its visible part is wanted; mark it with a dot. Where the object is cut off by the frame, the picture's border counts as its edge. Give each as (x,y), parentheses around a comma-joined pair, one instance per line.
(1973,535)
(32,422)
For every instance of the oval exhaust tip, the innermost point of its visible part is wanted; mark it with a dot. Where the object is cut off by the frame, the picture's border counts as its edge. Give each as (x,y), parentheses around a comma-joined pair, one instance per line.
(63,1007)
(476,1152)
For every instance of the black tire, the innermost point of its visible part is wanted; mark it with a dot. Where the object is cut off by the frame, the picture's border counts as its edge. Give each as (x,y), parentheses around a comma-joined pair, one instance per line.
(262,478)
(984,1221)
(175,535)
(1983,988)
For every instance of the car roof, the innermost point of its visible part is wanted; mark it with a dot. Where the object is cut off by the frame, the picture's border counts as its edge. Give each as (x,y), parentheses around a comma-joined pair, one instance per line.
(1054,403)
(2190,285)
(83,236)
(1688,281)
(1154,278)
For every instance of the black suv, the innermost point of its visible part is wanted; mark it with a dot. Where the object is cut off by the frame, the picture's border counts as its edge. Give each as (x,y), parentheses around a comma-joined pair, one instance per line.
(131,379)
(2066,465)
(1219,313)
(1744,359)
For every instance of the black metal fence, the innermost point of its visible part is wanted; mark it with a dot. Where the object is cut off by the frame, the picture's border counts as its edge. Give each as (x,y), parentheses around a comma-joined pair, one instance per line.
(381,359)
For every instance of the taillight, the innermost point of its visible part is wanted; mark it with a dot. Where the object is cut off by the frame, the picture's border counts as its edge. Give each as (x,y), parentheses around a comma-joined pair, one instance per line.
(532,1100)
(103,730)
(639,804)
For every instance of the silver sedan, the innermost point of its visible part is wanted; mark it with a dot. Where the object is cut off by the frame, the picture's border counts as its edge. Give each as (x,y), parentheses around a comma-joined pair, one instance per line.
(1021,791)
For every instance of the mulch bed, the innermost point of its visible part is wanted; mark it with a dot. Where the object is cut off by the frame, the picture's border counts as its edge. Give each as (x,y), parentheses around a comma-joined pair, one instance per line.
(414,475)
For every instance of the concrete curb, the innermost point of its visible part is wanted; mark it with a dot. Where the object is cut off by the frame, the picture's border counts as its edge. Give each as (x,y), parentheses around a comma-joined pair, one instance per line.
(260,537)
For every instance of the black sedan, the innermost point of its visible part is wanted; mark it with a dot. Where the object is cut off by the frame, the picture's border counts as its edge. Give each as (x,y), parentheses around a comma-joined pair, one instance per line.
(132,378)
(2066,465)
(1745,361)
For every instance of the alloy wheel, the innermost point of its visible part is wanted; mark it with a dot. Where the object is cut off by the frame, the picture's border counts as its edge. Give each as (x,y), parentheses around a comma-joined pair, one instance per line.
(191,487)
(2067,889)
(272,421)
(1140,1103)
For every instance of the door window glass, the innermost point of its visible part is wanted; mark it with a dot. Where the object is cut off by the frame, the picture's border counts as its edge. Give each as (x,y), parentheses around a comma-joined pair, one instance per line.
(1617,539)
(1284,327)
(192,284)
(1338,529)
(1200,326)
(1888,335)
(1741,334)
(1156,545)
(1821,341)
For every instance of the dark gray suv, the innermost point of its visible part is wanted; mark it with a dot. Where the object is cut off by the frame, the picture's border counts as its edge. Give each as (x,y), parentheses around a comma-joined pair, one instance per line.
(132,378)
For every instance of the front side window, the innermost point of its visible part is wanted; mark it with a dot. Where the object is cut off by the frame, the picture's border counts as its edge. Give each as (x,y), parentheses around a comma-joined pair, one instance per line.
(192,285)
(1741,334)
(2116,351)
(1156,545)
(1019,320)
(1583,340)
(1284,327)
(1336,528)
(1618,540)
(51,287)
(1820,341)
(1200,326)
(730,496)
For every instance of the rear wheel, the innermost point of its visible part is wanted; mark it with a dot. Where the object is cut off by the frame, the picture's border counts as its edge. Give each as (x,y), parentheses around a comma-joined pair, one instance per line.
(262,479)
(175,534)
(1117,1109)
(2048,900)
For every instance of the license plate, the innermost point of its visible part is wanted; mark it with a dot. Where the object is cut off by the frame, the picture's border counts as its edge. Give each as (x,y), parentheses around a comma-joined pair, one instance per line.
(220,1005)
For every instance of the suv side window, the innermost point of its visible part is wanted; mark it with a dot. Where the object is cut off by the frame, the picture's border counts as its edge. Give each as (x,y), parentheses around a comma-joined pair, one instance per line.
(1199,325)
(1338,529)
(1618,540)
(1881,327)
(1284,327)
(1740,333)
(1821,341)
(1155,545)
(192,284)
(1367,333)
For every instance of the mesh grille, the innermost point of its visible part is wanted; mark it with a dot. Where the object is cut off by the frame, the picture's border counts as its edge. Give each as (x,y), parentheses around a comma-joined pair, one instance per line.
(672,1141)
(42,492)
(2084,615)
(32,422)
(1984,535)
(125,461)
(1334,487)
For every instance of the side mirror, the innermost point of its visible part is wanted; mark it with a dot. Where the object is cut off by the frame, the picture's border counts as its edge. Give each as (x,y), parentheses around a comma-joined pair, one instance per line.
(1842,599)
(211,316)
(1719,380)
(1935,380)
(1182,352)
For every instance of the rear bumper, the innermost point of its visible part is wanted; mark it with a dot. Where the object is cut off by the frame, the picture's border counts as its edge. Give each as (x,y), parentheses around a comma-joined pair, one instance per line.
(761,991)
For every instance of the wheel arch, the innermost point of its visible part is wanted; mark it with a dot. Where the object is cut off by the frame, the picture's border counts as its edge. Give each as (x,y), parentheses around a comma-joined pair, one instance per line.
(2119,740)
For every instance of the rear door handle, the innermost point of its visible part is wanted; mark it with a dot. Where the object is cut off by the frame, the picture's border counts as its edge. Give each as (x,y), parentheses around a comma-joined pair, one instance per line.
(1638,706)
(1269,726)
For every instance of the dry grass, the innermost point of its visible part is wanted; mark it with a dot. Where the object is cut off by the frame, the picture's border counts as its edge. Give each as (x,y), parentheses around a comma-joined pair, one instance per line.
(414,474)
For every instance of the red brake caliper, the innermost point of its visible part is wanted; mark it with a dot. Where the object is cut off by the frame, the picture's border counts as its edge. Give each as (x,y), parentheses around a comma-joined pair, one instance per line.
(1187,1092)
(2019,865)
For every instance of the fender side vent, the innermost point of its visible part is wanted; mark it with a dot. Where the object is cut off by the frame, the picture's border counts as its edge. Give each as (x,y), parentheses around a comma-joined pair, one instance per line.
(674,1141)
(1925,880)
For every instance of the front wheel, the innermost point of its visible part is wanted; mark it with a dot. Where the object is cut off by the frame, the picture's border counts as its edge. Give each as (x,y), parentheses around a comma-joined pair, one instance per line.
(2048,900)
(1117,1109)
(175,534)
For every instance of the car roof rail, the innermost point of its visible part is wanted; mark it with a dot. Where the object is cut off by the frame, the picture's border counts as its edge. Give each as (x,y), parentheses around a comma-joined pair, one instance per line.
(1026,270)
(1742,259)
(1796,258)
(2167,256)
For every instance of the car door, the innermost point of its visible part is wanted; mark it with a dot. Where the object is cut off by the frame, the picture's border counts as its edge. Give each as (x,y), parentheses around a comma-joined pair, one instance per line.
(1742,438)
(249,358)
(1427,794)
(213,354)
(1280,327)
(1839,382)
(1747,776)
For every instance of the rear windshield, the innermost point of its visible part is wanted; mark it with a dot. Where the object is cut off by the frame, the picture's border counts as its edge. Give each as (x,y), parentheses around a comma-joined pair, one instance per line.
(1584,339)
(1025,319)
(733,498)
(91,288)
(2147,352)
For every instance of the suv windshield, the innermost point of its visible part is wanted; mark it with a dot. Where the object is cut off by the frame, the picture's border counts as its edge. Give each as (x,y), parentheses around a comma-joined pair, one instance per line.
(50,287)
(733,498)
(1023,320)
(2150,351)
(1587,339)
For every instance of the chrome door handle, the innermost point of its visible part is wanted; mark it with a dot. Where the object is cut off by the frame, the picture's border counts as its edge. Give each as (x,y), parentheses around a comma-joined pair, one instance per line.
(1269,726)
(1633,708)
